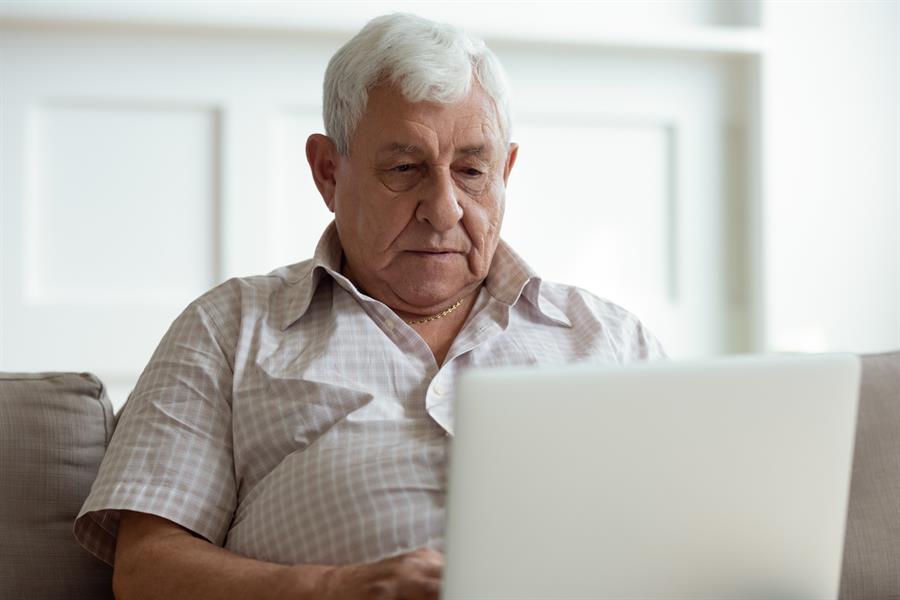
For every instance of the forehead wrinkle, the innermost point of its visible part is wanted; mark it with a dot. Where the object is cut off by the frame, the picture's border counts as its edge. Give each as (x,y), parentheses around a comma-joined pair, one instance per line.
(479,145)
(470,136)
(400,148)
(402,136)
(476,151)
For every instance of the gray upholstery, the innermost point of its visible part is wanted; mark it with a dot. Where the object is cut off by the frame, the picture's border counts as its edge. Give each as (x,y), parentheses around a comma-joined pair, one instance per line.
(872,547)
(54,428)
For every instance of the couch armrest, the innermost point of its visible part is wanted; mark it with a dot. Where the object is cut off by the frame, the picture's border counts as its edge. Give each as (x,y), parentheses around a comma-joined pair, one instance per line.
(54,429)
(872,548)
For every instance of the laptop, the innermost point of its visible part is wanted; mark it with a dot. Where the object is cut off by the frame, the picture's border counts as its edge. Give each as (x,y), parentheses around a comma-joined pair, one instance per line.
(724,479)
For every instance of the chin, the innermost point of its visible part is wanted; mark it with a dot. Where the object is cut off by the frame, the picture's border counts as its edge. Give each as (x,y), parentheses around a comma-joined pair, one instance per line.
(433,297)
(428,285)
(430,302)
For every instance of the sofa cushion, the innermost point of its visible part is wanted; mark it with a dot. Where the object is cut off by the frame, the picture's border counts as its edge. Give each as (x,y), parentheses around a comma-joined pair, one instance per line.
(872,547)
(54,428)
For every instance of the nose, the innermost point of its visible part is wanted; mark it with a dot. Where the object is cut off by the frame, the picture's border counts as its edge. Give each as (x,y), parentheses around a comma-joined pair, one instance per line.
(439,205)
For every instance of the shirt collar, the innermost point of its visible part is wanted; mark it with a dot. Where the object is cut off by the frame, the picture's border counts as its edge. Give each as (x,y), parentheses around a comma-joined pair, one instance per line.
(298,293)
(509,279)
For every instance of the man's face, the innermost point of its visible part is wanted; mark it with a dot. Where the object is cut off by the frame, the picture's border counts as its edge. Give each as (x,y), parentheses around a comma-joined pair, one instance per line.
(419,201)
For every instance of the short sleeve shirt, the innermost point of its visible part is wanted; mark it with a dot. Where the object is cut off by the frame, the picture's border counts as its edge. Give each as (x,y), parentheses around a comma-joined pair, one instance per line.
(291,418)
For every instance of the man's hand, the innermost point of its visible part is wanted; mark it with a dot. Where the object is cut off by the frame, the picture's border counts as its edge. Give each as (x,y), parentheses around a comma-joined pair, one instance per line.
(412,576)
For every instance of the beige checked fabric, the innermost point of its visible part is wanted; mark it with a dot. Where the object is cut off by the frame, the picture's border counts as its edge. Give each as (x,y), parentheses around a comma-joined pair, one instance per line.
(293,419)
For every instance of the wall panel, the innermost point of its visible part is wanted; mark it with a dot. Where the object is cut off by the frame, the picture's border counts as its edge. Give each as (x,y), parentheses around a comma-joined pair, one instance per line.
(121,203)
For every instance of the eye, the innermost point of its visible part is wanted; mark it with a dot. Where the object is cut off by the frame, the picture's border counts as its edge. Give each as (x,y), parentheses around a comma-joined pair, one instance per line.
(471,172)
(402,177)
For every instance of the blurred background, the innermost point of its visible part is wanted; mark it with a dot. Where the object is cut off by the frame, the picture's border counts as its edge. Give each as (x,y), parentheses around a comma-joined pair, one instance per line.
(729,170)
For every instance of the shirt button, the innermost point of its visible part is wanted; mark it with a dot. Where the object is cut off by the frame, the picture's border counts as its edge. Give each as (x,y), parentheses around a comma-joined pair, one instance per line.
(439,390)
(388,325)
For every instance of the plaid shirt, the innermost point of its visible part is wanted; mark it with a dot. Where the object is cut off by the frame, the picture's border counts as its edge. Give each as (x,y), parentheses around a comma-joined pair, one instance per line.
(293,419)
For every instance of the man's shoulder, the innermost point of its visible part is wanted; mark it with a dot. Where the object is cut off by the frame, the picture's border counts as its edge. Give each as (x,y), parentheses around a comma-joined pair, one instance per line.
(254,292)
(592,315)
(577,304)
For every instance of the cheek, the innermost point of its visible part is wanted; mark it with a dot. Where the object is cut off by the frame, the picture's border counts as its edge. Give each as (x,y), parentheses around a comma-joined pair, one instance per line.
(390,213)
(483,220)
(496,205)
(375,214)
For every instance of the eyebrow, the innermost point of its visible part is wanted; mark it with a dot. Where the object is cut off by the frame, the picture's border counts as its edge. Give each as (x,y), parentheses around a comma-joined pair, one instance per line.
(398,148)
(472,150)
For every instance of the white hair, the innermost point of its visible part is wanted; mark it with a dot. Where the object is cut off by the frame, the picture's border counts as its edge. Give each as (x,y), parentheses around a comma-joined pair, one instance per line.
(425,60)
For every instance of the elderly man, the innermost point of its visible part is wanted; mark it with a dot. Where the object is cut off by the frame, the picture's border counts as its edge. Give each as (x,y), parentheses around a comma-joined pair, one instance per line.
(288,437)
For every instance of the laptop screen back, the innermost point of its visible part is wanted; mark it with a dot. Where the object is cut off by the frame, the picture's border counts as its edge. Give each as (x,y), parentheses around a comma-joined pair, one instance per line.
(713,479)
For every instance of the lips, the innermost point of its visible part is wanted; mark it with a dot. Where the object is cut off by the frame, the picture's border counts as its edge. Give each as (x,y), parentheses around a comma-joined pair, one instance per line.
(434,254)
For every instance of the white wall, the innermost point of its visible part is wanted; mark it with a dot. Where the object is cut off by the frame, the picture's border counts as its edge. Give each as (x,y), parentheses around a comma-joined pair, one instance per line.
(831,203)
(731,180)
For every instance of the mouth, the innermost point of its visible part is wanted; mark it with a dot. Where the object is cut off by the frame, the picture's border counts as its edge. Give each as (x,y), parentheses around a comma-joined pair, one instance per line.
(434,253)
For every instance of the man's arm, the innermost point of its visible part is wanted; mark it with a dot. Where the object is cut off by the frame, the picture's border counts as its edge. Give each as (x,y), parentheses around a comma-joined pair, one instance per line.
(155,558)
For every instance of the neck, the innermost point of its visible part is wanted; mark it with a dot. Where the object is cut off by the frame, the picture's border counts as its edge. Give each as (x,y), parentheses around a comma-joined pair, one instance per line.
(449,309)
(440,333)
(438,315)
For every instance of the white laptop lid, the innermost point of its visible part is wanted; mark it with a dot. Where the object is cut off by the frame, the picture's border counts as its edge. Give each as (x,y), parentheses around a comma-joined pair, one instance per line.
(714,479)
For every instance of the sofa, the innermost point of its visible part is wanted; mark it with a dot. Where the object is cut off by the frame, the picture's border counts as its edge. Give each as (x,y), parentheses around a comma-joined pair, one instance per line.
(55,427)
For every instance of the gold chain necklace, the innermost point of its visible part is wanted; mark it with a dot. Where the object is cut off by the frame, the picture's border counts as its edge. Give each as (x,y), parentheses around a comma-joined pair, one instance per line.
(439,315)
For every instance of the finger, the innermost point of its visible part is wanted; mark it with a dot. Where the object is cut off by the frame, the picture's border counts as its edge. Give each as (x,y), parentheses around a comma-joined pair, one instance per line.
(420,589)
(428,554)
(434,569)
(427,561)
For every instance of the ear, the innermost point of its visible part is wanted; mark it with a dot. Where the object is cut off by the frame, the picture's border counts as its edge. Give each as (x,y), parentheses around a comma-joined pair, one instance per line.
(323,156)
(510,161)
